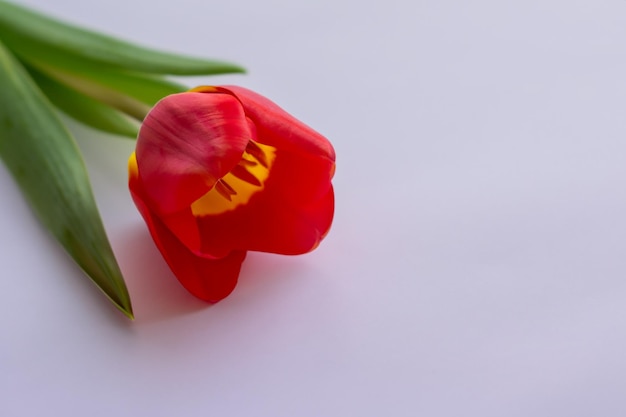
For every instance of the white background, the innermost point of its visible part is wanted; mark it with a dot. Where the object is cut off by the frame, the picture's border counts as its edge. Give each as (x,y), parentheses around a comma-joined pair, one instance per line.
(476,264)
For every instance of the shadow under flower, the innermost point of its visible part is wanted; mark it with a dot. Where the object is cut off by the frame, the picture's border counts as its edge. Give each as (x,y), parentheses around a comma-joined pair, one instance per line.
(266,277)
(155,292)
(157,295)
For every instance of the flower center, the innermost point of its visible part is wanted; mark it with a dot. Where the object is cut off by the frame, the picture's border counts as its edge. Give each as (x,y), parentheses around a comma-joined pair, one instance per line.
(240,184)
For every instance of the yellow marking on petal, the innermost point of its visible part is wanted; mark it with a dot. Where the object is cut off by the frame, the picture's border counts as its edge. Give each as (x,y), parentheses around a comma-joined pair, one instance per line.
(236,189)
(204,89)
(133,171)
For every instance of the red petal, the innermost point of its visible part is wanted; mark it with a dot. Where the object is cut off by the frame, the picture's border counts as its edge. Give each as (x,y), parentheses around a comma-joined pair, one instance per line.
(290,216)
(186,143)
(275,126)
(208,279)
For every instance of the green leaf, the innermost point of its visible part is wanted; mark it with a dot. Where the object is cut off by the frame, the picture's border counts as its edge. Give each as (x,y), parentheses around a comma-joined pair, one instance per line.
(112,86)
(32,35)
(83,108)
(47,165)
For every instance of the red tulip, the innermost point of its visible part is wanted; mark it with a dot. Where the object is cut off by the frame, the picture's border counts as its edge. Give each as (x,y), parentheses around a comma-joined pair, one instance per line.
(219,171)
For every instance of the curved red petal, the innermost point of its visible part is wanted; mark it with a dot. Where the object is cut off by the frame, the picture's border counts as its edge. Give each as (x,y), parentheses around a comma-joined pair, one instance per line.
(208,279)
(276,127)
(191,140)
(290,216)
(186,143)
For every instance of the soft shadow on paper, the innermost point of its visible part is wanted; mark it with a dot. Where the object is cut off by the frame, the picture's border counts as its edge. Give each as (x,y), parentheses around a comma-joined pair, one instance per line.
(155,292)
(157,295)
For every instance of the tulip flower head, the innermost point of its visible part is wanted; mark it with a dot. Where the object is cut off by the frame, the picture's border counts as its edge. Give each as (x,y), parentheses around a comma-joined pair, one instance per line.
(219,171)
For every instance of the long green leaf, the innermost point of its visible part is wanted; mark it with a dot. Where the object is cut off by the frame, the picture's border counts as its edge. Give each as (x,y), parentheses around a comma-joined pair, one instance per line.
(31,34)
(89,78)
(48,167)
(115,98)
(84,108)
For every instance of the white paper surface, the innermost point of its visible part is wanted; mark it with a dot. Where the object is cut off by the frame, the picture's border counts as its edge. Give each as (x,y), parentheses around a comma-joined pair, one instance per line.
(476,265)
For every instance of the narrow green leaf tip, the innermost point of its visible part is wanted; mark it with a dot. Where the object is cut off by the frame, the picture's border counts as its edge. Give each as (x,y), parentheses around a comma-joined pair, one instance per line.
(47,165)
(37,38)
